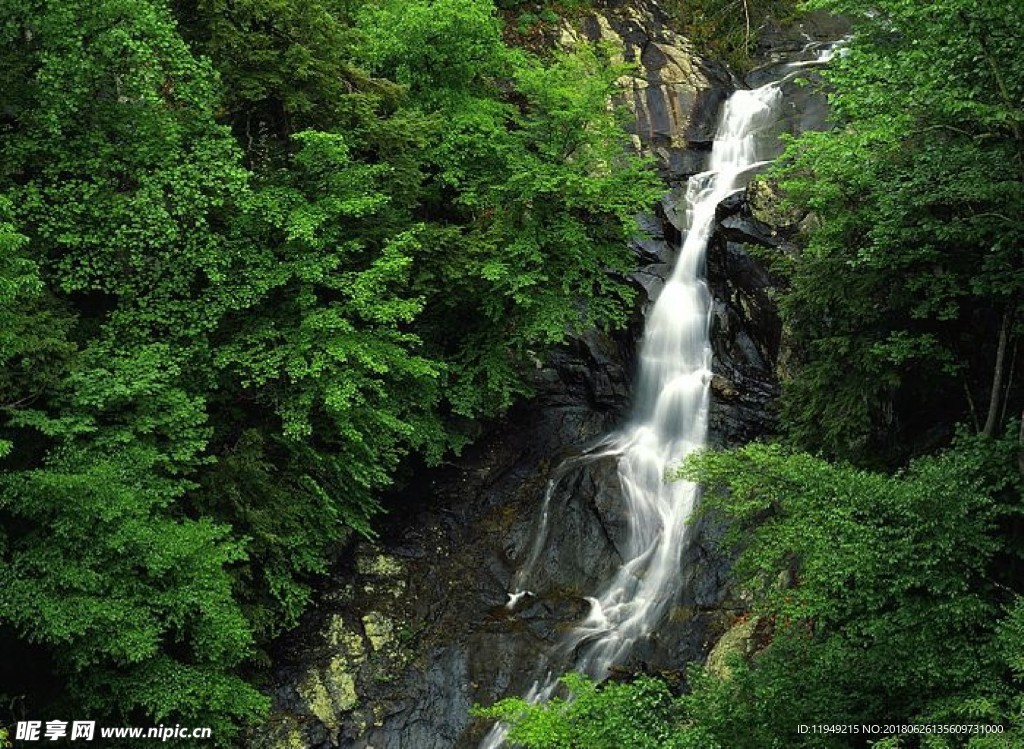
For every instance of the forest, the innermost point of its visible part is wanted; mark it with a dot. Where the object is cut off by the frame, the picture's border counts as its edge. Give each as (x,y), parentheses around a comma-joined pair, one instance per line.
(262,261)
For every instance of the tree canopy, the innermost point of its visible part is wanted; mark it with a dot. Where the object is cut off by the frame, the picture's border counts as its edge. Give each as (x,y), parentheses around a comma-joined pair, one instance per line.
(911,280)
(253,256)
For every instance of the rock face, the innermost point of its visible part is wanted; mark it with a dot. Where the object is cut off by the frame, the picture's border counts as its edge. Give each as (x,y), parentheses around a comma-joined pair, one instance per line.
(413,628)
(675,95)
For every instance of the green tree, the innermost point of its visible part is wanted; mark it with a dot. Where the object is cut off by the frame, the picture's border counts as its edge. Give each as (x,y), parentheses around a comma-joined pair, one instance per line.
(533,198)
(911,278)
(33,327)
(336,387)
(118,177)
(284,67)
(246,272)
(880,598)
(407,263)
(643,714)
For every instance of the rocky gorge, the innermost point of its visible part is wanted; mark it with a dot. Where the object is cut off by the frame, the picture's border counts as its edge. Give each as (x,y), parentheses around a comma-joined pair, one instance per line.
(415,630)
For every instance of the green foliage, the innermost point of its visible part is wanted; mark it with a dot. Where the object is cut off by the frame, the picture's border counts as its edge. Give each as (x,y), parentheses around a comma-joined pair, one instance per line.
(539,263)
(640,715)
(283,66)
(325,352)
(116,174)
(252,256)
(545,7)
(914,267)
(33,332)
(880,593)
(531,203)
(403,42)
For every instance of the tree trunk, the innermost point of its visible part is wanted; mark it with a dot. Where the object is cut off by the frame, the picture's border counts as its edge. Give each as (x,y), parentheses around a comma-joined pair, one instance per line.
(1009,382)
(970,405)
(1020,446)
(746,15)
(995,399)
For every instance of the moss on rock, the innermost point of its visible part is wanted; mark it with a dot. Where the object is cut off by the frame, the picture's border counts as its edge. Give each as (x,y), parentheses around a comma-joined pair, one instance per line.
(329,692)
(379,565)
(738,641)
(768,206)
(380,630)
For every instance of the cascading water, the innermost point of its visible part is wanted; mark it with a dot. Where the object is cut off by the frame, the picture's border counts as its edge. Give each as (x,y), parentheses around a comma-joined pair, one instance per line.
(669,420)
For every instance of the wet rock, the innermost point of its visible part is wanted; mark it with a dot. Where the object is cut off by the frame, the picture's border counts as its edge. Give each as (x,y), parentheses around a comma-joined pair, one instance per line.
(779,44)
(652,278)
(792,54)
(737,223)
(673,209)
(723,388)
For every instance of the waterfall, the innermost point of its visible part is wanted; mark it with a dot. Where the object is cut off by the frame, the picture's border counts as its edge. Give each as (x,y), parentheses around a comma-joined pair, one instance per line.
(668,422)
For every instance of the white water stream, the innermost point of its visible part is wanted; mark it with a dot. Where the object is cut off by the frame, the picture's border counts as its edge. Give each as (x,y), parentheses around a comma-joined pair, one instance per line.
(669,421)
